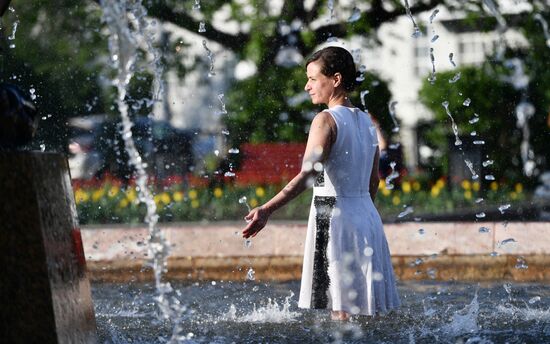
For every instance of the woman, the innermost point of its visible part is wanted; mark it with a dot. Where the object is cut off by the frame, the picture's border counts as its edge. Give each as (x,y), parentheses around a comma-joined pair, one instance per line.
(347,265)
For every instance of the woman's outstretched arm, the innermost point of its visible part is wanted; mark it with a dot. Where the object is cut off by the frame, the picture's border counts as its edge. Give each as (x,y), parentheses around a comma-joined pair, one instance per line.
(321,137)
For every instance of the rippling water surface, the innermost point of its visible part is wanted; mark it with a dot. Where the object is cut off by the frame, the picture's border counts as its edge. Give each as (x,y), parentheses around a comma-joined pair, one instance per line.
(256,312)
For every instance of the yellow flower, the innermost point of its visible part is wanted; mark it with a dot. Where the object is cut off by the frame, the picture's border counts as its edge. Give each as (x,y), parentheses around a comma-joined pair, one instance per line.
(178,196)
(513,195)
(81,196)
(97,194)
(131,194)
(260,192)
(440,183)
(416,186)
(195,204)
(396,200)
(435,191)
(192,194)
(518,187)
(253,203)
(123,203)
(467,194)
(113,191)
(406,187)
(218,192)
(165,198)
(494,186)
(475,186)
(466,185)
(381,184)
(386,192)
(157,199)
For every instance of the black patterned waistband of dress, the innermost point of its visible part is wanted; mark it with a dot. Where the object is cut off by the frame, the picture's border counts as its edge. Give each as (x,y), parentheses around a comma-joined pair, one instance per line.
(321,280)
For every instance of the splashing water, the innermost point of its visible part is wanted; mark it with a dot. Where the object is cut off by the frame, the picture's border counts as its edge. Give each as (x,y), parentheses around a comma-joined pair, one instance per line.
(451,59)
(272,312)
(355,15)
(524,111)
(474,119)
(126,23)
(432,77)
(487,163)
(407,211)
(250,275)
(210,56)
(416,33)
(233,151)
(458,142)
(243,200)
(330,5)
(501,28)
(197,5)
(480,215)
(538,17)
(362,97)
(394,174)
(391,109)
(504,207)
(467,102)
(202,27)
(434,38)
(521,264)
(471,168)
(455,78)
(484,230)
(223,111)
(432,16)
(14,28)
(507,241)
(464,321)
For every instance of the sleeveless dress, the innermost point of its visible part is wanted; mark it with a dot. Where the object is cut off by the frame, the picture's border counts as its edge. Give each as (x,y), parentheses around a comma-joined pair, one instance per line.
(347,264)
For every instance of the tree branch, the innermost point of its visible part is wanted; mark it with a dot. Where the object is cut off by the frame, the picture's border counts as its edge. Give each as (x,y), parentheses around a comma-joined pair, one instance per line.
(185,21)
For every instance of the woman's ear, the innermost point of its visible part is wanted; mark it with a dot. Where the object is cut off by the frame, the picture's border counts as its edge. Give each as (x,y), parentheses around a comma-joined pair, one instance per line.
(337,78)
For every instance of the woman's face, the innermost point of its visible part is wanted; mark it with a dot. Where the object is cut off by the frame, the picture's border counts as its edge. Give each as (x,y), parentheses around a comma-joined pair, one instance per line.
(319,86)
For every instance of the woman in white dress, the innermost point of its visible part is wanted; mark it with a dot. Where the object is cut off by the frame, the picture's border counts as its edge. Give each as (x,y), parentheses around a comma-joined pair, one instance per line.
(347,266)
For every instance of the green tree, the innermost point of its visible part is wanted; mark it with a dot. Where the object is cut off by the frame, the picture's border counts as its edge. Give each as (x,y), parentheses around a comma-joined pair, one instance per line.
(494,98)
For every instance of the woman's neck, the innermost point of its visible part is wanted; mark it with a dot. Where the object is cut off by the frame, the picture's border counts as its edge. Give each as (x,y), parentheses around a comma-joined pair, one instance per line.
(339,99)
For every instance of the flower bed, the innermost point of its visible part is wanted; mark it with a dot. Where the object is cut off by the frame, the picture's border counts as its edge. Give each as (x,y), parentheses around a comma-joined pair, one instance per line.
(192,199)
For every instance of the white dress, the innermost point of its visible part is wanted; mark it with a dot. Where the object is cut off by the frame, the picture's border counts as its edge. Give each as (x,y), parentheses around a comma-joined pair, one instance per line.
(347,264)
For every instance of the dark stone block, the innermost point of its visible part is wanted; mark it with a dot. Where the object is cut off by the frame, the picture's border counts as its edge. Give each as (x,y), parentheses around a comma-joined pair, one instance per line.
(44,294)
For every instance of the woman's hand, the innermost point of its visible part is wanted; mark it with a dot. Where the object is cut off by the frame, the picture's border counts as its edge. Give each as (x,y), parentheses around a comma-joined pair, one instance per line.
(257,219)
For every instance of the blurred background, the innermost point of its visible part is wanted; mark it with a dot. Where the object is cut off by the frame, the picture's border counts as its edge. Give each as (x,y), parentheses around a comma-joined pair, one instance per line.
(231,118)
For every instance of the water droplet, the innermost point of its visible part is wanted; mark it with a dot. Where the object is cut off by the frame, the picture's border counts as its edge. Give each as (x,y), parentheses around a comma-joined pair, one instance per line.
(407,211)
(202,27)
(534,300)
(503,208)
(455,78)
(225,132)
(489,177)
(250,275)
(355,15)
(494,254)
(487,163)
(247,243)
(421,231)
(229,174)
(484,230)
(42,147)
(216,152)
(480,215)
(507,241)
(33,95)
(467,102)
(233,151)
(471,168)
(521,264)
(451,60)
(479,142)
(197,5)
(434,38)
(473,133)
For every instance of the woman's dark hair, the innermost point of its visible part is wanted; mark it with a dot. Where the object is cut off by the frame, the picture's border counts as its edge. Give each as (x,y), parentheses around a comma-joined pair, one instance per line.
(336,60)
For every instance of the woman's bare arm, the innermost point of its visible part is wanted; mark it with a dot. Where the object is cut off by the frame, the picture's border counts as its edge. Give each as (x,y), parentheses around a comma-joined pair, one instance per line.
(319,143)
(374,178)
